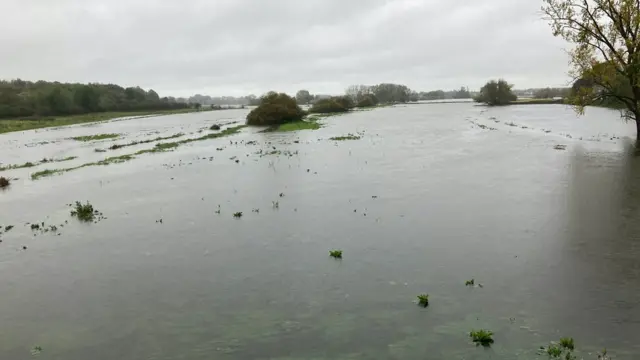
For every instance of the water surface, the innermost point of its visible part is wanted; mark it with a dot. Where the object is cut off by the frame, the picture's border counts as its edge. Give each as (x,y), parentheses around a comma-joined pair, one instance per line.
(425,200)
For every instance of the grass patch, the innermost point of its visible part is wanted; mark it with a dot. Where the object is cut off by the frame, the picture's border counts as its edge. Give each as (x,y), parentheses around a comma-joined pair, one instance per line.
(123,158)
(482,337)
(423,300)
(563,349)
(336,254)
(471,282)
(10,125)
(96,137)
(4,182)
(536,102)
(133,143)
(237,215)
(44,173)
(346,137)
(215,127)
(32,164)
(84,212)
(295,126)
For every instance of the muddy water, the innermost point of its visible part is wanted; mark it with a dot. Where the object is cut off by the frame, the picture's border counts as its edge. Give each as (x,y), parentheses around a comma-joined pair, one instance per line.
(428,198)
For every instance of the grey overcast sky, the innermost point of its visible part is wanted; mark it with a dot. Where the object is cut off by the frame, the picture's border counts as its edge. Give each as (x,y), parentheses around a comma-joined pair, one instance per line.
(237,47)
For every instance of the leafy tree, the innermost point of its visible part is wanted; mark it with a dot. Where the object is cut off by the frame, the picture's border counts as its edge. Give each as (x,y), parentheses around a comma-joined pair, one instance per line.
(606,52)
(495,93)
(275,109)
(463,93)
(368,100)
(26,99)
(303,97)
(334,104)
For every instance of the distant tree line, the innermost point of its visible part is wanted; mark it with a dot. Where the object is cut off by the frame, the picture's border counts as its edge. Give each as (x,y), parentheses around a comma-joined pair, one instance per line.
(463,93)
(20,98)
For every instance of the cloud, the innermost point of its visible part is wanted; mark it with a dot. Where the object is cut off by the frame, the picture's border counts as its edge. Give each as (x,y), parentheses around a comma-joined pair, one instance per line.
(237,47)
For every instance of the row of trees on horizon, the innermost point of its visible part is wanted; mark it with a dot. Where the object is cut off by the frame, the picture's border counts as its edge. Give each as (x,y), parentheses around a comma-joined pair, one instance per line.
(27,99)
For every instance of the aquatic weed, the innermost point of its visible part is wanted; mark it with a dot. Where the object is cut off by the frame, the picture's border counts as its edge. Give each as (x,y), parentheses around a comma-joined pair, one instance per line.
(84,212)
(95,137)
(238,214)
(471,282)
(4,182)
(423,300)
(336,254)
(345,137)
(567,343)
(482,337)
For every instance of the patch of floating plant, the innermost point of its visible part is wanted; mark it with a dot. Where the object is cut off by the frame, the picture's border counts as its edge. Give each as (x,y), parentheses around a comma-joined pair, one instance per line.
(160,147)
(36,350)
(336,254)
(481,337)
(345,137)
(560,147)
(481,126)
(472,283)
(86,212)
(35,163)
(95,137)
(4,182)
(138,142)
(237,215)
(564,349)
(423,300)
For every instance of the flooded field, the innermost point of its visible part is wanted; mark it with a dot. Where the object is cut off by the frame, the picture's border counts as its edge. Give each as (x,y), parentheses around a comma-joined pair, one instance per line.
(534,204)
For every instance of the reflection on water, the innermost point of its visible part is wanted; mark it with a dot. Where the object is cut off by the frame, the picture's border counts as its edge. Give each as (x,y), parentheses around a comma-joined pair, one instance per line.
(423,202)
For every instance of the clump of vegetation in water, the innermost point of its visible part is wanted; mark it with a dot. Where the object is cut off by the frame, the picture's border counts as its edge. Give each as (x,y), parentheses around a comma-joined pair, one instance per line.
(308,124)
(423,300)
(133,143)
(560,147)
(563,349)
(482,337)
(96,137)
(238,214)
(215,127)
(32,164)
(127,157)
(4,182)
(496,93)
(346,137)
(275,109)
(336,104)
(336,254)
(367,100)
(471,282)
(7,228)
(84,212)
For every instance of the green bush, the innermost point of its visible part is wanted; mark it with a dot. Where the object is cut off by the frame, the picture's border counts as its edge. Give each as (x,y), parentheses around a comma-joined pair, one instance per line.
(368,100)
(336,104)
(84,212)
(482,337)
(275,109)
(423,300)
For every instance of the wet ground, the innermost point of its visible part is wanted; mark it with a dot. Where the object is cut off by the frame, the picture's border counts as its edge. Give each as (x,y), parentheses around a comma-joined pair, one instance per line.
(429,197)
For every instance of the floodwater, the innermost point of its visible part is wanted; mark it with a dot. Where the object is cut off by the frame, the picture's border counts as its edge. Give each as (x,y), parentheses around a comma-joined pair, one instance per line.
(428,198)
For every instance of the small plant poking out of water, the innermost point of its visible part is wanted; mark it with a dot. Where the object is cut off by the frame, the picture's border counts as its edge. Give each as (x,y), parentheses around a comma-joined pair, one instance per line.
(482,337)
(471,282)
(84,212)
(567,343)
(215,127)
(346,137)
(423,300)
(336,254)
(4,182)
(554,351)
(36,350)
(237,215)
